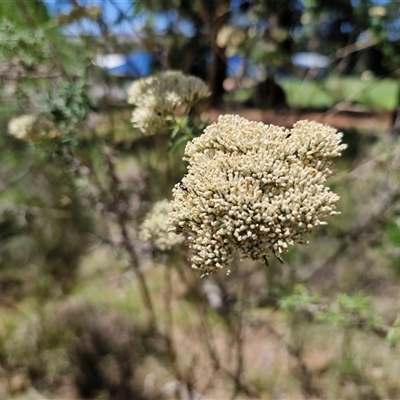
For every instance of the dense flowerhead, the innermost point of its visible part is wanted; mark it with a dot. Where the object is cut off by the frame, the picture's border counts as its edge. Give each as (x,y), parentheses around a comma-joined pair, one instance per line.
(160,95)
(254,188)
(154,227)
(32,127)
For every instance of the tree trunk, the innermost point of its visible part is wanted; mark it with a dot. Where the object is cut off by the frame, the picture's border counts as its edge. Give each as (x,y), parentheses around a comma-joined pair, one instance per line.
(216,14)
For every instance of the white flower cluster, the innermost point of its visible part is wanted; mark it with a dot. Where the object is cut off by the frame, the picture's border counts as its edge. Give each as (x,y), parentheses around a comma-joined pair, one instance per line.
(32,127)
(155,227)
(254,188)
(161,95)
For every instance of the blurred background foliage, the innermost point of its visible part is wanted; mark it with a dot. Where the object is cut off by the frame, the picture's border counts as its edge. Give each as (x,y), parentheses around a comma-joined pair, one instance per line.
(88,311)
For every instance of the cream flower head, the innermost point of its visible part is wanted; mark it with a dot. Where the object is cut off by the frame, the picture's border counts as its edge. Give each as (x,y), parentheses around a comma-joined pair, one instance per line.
(31,127)
(253,187)
(161,95)
(155,227)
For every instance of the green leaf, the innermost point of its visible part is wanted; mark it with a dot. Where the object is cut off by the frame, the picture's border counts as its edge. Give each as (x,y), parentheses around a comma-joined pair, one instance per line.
(354,304)
(393,336)
(175,146)
(300,298)
(396,323)
(393,232)
(174,132)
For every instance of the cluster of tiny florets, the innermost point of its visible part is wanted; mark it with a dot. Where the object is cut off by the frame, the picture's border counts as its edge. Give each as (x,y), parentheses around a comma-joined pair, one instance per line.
(31,127)
(160,95)
(155,227)
(253,187)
